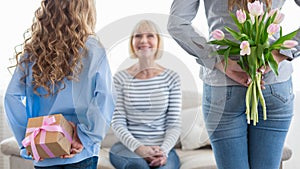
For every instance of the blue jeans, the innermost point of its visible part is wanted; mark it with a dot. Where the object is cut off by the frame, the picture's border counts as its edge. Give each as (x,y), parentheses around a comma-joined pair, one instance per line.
(238,145)
(89,163)
(122,158)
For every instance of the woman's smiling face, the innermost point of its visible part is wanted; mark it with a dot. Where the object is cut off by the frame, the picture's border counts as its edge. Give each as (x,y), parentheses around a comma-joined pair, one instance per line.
(145,42)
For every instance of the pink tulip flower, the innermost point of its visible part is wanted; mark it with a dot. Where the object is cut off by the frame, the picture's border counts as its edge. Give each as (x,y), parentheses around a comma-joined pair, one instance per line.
(279,16)
(273,11)
(255,8)
(273,28)
(245,48)
(241,16)
(289,43)
(218,34)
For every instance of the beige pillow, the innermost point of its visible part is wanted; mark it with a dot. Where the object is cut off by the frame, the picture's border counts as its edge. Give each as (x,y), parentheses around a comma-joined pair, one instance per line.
(193,134)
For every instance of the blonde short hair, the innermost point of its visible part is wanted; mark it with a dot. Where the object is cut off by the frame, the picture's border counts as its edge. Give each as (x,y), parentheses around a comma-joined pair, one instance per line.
(153,27)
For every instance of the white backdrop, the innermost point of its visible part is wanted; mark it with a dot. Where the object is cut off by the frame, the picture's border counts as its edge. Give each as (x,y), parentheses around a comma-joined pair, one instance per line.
(16,17)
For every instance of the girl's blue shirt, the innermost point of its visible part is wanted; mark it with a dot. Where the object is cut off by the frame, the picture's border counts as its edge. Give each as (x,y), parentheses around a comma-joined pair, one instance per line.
(89,103)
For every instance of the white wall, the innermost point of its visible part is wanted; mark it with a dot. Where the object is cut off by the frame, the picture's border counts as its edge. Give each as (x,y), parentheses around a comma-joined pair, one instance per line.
(293,137)
(17,16)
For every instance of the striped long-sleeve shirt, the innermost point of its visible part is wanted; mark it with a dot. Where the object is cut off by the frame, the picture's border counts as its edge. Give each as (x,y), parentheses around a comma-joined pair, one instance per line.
(148,110)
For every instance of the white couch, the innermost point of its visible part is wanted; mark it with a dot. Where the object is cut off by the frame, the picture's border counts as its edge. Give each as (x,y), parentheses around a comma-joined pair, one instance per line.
(193,147)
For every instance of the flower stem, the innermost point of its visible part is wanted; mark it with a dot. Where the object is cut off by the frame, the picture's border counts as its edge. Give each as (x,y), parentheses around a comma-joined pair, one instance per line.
(257,31)
(254,95)
(261,97)
(248,101)
(254,114)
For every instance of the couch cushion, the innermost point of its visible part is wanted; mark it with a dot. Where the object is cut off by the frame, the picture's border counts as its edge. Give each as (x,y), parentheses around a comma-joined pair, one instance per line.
(109,139)
(16,162)
(103,162)
(197,159)
(193,134)
(190,99)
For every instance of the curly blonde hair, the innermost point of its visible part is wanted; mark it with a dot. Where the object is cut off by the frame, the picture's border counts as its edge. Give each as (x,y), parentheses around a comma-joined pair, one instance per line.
(243,3)
(57,43)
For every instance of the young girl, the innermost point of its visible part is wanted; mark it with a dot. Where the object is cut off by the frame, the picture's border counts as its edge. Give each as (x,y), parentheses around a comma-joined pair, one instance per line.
(63,69)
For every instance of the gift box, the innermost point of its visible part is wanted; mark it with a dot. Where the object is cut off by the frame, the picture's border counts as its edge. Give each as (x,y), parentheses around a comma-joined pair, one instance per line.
(48,136)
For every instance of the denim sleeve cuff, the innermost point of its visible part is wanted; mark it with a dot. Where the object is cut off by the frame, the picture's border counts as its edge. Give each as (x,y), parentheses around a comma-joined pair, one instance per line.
(23,154)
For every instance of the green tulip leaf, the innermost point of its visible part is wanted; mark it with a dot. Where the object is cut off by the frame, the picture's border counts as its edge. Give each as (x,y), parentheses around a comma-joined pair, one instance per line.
(233,33)
(273,64)
(237,23)
(284,38)
(252,62)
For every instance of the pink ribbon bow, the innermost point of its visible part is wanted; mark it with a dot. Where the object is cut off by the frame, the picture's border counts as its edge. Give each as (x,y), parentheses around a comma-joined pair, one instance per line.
(46,126)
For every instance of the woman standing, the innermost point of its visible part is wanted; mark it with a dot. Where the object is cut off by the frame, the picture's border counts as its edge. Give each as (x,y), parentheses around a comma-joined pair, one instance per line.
(236,144)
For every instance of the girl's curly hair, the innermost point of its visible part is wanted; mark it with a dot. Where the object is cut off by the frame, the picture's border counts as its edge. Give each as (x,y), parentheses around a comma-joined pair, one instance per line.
(243,3)
(57,43)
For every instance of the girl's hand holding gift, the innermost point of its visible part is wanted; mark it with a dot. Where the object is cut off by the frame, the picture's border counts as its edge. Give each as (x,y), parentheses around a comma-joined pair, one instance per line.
(76,145)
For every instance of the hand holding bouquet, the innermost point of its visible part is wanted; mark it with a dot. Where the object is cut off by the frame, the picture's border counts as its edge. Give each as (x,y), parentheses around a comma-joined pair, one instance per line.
(252,44)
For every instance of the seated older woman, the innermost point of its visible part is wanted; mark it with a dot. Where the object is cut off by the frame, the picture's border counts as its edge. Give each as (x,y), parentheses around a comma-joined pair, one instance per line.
(147,116)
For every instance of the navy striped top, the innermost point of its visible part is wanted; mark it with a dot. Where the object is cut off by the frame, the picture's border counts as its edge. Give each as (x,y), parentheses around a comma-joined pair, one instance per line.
(148,110)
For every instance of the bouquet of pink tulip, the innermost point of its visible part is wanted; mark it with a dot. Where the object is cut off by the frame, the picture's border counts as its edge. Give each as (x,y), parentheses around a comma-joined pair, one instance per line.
(255,27)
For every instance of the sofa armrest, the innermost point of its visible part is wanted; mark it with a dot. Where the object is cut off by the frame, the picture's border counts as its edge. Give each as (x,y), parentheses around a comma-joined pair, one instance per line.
(286,154)
(9,147)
